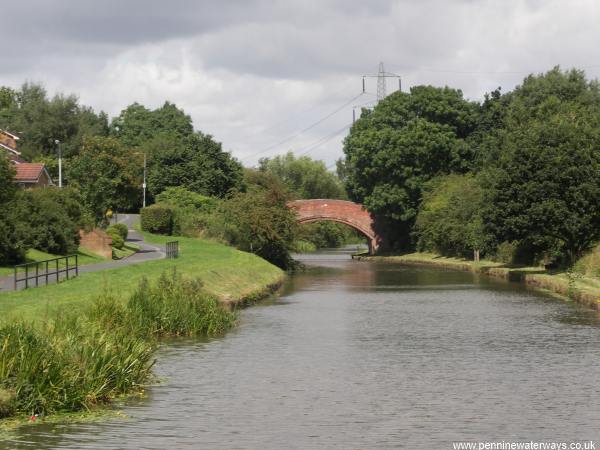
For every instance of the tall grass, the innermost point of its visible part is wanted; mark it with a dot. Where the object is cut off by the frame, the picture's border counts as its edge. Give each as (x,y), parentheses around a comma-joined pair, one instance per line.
(73,363)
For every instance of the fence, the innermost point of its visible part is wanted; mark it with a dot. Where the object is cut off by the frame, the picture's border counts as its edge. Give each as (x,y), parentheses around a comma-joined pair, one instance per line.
(48,270)
(172,249)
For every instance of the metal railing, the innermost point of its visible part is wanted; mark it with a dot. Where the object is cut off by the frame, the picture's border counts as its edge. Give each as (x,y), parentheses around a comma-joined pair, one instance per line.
(172,249)
(48,270)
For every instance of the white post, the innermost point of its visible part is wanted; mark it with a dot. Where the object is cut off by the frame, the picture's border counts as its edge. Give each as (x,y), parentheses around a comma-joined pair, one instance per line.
(59,163)
(144,185)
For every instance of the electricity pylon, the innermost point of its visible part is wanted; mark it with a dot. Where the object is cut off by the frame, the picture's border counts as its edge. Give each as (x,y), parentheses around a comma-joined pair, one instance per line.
(381,76)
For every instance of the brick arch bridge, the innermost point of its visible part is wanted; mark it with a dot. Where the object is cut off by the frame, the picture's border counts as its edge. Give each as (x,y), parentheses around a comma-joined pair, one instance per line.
(342,211)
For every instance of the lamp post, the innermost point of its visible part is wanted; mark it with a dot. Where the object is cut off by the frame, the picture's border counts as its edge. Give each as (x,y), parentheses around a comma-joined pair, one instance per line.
(57,142)
(144,184)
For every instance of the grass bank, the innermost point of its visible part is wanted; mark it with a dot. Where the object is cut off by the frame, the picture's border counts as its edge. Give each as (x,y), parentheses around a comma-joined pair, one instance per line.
(74,362)
(233,276)
(83,256)
(580,287)
(80,344)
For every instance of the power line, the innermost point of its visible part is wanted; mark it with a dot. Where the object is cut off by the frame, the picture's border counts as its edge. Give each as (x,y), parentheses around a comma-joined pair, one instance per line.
(304,130)
(314,145)
(305,111)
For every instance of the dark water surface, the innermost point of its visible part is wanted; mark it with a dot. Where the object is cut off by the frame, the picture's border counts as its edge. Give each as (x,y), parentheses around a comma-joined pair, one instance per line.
(360,355)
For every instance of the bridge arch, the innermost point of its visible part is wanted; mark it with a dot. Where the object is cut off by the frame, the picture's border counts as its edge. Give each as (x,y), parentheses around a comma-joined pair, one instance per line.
(342,211)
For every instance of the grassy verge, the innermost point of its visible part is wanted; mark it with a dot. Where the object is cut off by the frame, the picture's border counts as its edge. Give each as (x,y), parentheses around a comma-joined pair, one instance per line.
(75,362)
(82,343)
(84,257)
(230,274)
(576,286)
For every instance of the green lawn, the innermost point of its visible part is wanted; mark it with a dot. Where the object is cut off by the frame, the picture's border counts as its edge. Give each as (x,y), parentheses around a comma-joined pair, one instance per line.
(84,257)
(225,271)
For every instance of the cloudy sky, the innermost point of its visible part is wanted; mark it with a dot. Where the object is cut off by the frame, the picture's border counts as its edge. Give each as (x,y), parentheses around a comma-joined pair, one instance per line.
(265,77)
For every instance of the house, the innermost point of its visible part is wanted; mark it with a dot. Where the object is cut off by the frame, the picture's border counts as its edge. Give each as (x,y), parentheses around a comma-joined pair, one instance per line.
(8,143)
(28,175)
(31,175)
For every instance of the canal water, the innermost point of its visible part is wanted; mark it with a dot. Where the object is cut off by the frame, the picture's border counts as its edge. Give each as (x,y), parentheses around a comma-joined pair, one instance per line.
(358,355)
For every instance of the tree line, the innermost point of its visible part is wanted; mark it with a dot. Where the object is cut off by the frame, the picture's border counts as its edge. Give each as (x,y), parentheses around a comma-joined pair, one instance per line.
(515,177)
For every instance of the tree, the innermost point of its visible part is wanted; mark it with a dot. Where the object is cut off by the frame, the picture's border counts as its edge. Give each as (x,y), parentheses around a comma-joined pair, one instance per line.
(108,176)
(259,220)
(12,235)
(136,125)
(39,121)
(305,178)
(392,151)
(449,221)
(196,162)
(545,186)
(52,217)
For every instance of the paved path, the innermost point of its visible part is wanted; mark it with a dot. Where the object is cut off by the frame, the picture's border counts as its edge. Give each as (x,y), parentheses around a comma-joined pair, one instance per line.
(147,252)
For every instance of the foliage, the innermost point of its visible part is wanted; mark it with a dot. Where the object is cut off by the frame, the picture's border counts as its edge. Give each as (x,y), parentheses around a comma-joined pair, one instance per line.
(183,198)
(107,175)
(328,234)
(157,218)
(39,120)
(394,150)
(304,177)
(545,183)
(51,219)
(75,362)
(136,125)
(589,265)
(120,228)
(506,252)
(117,240)
(258,220)
(173,306)
(449,220)
(196,162)
(176,155)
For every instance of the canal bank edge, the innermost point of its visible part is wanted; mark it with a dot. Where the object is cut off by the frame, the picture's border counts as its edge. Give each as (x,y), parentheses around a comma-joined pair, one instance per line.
(568,287)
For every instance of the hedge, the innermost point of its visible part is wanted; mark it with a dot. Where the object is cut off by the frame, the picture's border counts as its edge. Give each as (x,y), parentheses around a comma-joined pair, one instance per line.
(157,219)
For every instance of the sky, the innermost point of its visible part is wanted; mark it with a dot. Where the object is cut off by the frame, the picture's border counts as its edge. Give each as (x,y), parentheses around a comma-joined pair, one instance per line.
(266,77)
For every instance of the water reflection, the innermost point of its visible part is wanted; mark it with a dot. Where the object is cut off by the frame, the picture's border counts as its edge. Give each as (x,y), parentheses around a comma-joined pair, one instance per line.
(357,355)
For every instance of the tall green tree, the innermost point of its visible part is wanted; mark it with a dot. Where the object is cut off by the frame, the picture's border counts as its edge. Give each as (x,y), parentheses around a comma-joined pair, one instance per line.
(449,221)
(137,125)
(545,177)
(39,121)
(196,162)
(409,138)
(108,176)
(305,177)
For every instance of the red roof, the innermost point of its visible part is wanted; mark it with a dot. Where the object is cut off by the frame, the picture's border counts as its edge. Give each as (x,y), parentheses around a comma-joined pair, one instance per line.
(28,172)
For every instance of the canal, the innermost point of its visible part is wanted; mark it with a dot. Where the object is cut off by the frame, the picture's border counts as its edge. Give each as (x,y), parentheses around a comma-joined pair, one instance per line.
(359,355)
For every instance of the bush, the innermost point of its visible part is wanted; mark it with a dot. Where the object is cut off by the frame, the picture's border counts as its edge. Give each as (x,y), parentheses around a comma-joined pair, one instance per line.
(158,219)
(120,228)
(117,240)
(506,252)
(182,198)
(47,219)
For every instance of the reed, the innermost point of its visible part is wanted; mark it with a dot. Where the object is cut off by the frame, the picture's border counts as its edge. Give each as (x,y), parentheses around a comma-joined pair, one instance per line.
(73,363)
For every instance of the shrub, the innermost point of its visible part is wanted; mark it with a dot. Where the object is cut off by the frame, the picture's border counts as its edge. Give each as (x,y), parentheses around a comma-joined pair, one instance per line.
(158,219)
(506,252)
(51,217)
(120,228)
(117,239)
(183,198)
